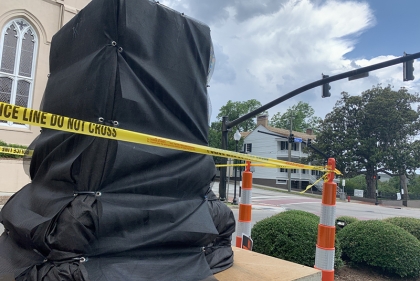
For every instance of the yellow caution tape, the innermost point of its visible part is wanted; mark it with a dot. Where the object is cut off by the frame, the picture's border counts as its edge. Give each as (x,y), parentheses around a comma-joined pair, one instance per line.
(28,116)
(244,165)
(266,166)
(324,177)
(12,150)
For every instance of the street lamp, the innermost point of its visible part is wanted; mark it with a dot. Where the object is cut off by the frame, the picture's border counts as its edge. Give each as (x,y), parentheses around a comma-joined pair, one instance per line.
(237,137)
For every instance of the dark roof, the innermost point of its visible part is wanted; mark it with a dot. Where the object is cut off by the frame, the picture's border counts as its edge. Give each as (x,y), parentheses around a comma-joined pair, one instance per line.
(283,132)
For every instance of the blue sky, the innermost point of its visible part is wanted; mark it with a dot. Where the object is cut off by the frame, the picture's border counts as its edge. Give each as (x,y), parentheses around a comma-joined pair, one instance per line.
(267,48)
(397,29)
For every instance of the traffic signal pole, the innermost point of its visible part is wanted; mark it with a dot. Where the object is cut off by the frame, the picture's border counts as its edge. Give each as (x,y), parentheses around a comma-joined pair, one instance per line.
(226,126)
(289,171)
(225,130)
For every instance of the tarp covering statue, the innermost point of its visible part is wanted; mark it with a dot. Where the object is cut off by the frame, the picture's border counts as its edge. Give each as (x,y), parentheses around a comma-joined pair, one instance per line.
(99,209)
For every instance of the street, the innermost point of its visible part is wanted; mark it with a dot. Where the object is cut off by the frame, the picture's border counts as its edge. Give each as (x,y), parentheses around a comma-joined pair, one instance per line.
(267,202)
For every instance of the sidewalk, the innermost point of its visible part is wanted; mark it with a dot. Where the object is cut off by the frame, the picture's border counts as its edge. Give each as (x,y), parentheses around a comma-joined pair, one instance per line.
(4,196)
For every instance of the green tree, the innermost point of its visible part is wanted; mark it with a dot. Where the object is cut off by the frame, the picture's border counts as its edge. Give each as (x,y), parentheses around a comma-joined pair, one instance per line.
(373,132)
(302,118)
(414,184)
(357,182)
(233,110)
(390,186)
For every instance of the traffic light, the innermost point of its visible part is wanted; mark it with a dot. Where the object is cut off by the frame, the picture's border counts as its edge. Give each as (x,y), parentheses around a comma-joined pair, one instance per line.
(309,142)
(326,88)
(292,138)
(374,177)
(408,69)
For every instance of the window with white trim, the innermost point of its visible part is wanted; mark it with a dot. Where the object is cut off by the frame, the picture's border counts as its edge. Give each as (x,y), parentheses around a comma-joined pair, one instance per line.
(281,181)
(248,147)
(18,49)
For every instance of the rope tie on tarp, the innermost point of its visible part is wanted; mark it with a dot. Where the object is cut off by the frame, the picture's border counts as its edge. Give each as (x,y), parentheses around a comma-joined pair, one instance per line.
(114,44)
(94,193)
(112,123)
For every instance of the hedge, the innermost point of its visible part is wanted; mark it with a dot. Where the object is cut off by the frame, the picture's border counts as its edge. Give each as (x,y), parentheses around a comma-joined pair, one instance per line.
(382,245)
(411,225)
(291,236)
(7,155)
(346,219)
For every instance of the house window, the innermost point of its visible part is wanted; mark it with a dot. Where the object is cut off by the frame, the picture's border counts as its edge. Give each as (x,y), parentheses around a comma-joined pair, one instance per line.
(294,171)
(283,145)
(248,147)
(18,49)
(315,173)
(281,181)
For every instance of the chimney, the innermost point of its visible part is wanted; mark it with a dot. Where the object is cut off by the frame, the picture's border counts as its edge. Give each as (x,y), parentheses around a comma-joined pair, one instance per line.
(262,120)
(309,131)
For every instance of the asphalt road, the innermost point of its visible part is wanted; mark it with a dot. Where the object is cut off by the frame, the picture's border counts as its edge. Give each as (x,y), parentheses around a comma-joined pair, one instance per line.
(267,202)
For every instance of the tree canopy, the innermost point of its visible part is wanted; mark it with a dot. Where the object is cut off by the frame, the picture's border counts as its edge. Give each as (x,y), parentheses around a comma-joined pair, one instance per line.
(232,110)
(302,118)
(371,132)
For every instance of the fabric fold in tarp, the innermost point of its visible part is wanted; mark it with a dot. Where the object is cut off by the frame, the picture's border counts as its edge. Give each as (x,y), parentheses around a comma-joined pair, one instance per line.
(128,211)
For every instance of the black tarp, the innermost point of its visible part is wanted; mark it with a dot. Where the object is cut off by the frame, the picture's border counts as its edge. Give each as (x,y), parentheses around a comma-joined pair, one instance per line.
(99,209)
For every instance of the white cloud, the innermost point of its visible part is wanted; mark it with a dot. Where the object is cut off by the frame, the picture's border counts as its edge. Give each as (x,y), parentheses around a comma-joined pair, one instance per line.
(265,49)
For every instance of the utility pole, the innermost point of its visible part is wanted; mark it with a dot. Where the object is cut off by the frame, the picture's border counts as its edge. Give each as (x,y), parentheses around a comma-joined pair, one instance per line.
(289,171)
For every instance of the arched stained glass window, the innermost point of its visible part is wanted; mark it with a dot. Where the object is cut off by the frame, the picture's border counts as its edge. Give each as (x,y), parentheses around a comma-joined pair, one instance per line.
(18,48)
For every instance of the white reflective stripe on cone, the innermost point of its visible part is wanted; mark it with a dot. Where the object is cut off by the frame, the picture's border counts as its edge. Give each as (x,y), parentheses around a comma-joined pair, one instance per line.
(246,196)
(324,259)
(243,227)
(327,216)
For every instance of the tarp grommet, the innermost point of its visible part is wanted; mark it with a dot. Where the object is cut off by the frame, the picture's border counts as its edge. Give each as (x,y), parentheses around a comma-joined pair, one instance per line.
(81,259)
(113,43)
(116,123)
(101,119)
(120,49)
(98,193)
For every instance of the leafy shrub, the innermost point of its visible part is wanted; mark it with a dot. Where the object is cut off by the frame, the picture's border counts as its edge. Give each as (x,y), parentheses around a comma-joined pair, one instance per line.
(412,225)
(358,182)
(291,236)
(382,245)
(7,155)
(346,219)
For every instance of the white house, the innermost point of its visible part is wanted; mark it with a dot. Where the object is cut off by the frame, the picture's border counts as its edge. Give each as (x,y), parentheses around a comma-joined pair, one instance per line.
(270,142)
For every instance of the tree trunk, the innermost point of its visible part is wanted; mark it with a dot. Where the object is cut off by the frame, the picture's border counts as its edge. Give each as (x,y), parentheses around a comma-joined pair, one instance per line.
(404,189)
(370,182)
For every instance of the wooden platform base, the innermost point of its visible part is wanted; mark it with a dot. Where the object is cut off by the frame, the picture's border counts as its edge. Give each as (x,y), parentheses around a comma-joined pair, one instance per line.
(253,266)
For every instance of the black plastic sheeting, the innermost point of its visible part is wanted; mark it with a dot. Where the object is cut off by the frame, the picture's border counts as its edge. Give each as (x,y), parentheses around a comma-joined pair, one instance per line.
(99,209)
